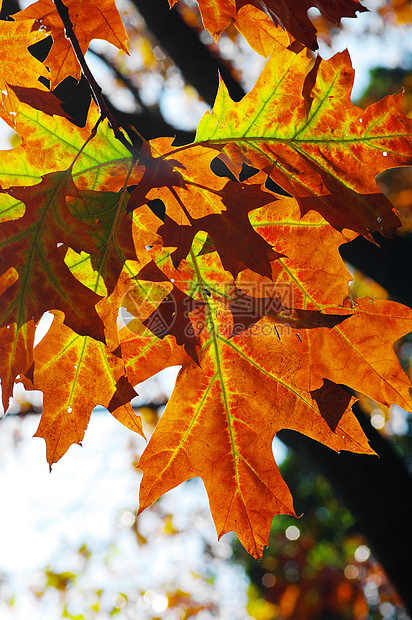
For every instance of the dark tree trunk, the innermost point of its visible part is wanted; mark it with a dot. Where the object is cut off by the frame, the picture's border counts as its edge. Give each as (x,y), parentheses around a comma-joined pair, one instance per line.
(198,65)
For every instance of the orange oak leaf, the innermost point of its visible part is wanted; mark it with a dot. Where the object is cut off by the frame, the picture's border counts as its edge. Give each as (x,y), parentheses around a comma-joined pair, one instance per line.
(311,274)
(95,19)
(358,352)
(145,355)
(76,373)
(17,66)
(224,398)
(291,14)
(303,130)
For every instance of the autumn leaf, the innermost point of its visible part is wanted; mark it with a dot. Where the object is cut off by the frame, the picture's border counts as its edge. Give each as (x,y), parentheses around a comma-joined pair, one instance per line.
(291,14)
(238,377)
(95,19)
(218,398)
(16,356)
(15,38)
(221,256)
(93,376)
(303,130)
(224,397)
(36,251)
(54,144)
(358,352)
(196,199)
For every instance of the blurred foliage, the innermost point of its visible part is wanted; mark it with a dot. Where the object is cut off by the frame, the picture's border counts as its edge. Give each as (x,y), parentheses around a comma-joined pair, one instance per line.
(397,11)
(317,567)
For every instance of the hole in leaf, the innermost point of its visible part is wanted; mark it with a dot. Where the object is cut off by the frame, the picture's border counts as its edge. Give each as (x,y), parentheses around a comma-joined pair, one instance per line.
(158,207)
(43,80)
(41,49)
(219,168)
(75,97)
(247,172)
(274,187)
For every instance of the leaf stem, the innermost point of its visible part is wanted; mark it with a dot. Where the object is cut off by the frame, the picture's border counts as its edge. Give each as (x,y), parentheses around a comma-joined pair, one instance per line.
(94,86)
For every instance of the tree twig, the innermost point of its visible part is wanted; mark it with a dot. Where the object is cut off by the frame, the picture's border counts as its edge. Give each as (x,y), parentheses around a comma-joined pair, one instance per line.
(94,86)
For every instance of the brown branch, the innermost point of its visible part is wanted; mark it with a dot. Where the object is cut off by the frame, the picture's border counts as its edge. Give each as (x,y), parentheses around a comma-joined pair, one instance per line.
(94,86)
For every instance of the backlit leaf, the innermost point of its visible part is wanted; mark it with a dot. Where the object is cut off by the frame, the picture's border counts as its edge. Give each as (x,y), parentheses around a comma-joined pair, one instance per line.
(91,20)
(34,245)
(15,38)
(291,14)
(243,393)
(303,130)
(221,256)
(93,376)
